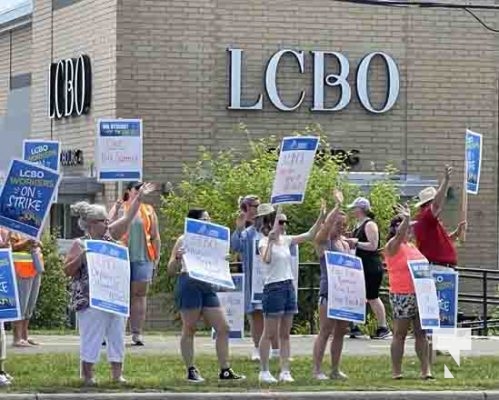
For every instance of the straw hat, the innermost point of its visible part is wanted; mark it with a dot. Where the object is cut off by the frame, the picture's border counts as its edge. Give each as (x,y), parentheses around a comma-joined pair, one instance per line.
(426,195)
(264,209)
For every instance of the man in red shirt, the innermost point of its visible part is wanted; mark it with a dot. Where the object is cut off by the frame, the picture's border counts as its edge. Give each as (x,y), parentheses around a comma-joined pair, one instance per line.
(432,239)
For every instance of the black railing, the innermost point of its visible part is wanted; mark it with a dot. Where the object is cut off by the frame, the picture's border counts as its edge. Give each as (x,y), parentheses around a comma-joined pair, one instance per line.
(486,299)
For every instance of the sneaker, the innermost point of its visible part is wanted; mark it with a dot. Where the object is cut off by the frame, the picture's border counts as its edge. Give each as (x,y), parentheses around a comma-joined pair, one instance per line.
(383,333)
(4,381)
(255,355)
(137,340)
(338,376)
(194,376)
(90,382)
(228,374)
(355,333)
(285,376)
(321,377)
(120,380)
(266,377)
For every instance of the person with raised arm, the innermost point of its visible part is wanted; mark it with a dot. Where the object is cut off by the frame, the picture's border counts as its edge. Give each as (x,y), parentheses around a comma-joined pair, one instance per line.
(330,238)
(398,252)
(279,297)
(95,325)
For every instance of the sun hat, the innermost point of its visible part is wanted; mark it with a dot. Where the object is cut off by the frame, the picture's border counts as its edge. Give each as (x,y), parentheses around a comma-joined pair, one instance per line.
(362,203)
(264,209)
(426,195)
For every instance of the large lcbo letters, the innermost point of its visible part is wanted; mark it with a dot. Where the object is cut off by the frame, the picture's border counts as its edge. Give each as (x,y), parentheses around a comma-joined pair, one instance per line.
(70,87)
(320,81)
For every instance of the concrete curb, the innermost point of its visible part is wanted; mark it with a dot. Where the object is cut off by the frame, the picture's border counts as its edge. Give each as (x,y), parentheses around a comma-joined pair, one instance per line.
(386,395)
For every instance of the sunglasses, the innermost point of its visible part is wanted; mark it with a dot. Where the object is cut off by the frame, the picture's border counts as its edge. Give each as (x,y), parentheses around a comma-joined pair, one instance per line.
(283,222)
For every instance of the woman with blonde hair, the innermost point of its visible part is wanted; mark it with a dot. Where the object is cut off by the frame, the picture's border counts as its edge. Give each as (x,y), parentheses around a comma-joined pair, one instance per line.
(95,325)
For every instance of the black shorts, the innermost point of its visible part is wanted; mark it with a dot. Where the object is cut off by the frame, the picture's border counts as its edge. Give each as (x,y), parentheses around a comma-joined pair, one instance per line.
(373,278)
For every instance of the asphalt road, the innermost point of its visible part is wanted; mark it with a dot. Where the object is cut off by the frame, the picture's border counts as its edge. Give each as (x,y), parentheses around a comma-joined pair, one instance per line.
(300,345)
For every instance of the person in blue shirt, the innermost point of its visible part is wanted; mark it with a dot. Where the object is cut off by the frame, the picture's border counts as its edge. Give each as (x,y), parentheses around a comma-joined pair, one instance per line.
(242,242)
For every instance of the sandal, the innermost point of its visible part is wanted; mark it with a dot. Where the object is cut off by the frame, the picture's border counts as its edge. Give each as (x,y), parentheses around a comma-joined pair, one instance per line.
(397,377)
(33,342)
(427,377)
(21,343)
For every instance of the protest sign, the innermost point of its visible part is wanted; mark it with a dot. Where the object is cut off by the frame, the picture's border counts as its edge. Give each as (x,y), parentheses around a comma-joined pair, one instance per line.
(9,297)
(446,283)
(295,266)
(257,272)
(473,161)
(426,293)
(109,277)
(206,247)
(233,304)
(293,169)
(26,197)
(346,287)
(43,152)
(119,150)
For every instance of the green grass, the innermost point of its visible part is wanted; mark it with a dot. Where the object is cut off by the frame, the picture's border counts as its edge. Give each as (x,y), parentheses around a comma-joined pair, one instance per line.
(59,373)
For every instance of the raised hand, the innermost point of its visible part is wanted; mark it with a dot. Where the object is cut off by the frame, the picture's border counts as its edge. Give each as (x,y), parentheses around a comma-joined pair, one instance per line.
(323,208)
(448,171)
(241,220)
(338,196)
(403,210)
(147,188)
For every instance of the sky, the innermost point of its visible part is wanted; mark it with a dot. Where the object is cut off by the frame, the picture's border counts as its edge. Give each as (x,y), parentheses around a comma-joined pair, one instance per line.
(9,4)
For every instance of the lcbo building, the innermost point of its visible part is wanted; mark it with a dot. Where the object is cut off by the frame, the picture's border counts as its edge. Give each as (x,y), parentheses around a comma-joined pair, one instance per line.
(391,85)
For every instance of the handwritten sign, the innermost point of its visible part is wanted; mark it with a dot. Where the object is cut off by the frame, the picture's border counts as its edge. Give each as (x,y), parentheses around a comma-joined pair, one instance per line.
(109,277)
(346,287)
(447,283)
(26,197)
(293,169)
(426,293)
(473,161)
(43,152)
(233,304)
(257,273)
(9,297)
(119,150)
(206,247)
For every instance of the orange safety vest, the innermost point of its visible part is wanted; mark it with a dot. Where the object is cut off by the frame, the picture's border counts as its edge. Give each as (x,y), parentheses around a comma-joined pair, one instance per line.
(146,214)
(24,265)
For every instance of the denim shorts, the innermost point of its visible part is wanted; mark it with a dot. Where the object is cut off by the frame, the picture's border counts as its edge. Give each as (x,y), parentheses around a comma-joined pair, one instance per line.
(279,298)
(141,271)
(191,294)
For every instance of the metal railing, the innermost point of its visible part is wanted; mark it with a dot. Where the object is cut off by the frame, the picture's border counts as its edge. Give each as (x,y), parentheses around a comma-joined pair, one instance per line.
(486,299)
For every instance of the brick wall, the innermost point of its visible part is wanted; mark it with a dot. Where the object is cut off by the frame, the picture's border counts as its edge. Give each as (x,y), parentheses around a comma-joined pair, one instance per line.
(172,71)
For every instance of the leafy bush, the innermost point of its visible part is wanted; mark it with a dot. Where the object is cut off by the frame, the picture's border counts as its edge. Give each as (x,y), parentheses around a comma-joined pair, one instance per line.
(52,306)
(216,181)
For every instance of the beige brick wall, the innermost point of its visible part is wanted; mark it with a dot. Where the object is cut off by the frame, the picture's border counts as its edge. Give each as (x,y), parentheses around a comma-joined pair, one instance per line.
(172,72)
(21,51)
(4,71)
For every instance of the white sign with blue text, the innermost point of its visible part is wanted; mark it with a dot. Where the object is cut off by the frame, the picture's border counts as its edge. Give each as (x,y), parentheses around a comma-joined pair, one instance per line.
(206,247)
(293,169)
(9,297)
(426,293)
(474,144)
(233,304)
(119,150)
(346,299)
(109,277)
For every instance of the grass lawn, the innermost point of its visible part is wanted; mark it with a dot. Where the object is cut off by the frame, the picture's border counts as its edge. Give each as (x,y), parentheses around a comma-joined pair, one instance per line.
(59,373)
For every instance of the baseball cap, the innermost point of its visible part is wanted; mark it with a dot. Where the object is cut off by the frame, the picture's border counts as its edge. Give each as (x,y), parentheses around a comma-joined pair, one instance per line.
(362,203)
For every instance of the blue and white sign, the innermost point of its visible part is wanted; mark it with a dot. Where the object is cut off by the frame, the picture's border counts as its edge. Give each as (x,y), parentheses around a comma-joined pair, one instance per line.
(119,150)
(293,169)
(473,161)
(109,277)
(43,152)
(206,247)
(346,287)
(447,283)
(257,272)
(426,293)
(9,297)
(26,197)
(233,304)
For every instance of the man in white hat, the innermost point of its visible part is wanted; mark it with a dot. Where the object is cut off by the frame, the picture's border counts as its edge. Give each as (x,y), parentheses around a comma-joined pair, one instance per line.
(432,239)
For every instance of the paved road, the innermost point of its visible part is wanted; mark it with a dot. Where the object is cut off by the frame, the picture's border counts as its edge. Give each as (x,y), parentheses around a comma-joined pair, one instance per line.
(300,345)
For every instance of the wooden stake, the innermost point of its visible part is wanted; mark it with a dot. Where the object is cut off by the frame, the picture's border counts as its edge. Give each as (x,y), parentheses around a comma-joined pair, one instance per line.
(464,199)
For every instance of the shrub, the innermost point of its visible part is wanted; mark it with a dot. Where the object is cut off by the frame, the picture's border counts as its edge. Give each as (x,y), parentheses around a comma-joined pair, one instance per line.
(216,181)
(52,307)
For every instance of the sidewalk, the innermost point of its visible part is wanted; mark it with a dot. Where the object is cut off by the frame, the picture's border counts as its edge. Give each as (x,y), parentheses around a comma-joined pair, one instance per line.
(398,395)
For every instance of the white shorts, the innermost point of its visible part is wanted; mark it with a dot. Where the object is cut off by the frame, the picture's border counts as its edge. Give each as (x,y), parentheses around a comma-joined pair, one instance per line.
(95,326)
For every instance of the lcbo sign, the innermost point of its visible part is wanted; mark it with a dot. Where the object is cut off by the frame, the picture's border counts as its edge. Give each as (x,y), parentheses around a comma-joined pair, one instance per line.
(321,80)
(70,87)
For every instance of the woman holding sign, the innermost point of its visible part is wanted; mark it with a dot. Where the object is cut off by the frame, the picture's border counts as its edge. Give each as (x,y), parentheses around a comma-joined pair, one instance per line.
(196,299)
(279,297)
(330,238)
(95,325)
(398,251)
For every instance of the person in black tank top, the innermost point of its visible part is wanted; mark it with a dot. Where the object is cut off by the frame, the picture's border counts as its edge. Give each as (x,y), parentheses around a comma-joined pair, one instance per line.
(365,240)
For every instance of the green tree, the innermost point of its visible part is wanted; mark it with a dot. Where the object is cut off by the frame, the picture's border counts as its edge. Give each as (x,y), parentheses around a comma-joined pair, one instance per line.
(216,181)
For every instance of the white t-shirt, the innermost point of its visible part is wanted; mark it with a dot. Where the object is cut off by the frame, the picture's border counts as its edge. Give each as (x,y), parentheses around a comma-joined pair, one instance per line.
(280,268)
